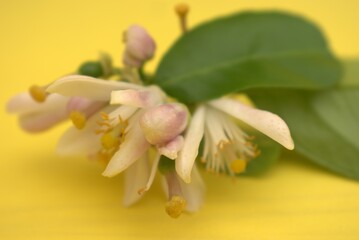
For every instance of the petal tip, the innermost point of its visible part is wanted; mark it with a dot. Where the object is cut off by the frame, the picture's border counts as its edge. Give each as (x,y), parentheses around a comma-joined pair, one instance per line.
(289,145)
(184,176)
(108,173)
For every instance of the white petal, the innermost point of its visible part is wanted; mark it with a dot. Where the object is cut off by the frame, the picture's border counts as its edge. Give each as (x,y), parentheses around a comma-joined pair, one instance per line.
(84,141)
(23,103)
(134,146)
(92,88)
(189,152)
(152,175)
(137,98)
(193,192)
(136,177)
(140,99)
(171,149)
(41,121)
(266,122)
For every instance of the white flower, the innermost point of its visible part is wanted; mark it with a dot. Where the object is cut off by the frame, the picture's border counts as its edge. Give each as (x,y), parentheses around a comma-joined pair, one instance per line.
(226,146)
(142,119)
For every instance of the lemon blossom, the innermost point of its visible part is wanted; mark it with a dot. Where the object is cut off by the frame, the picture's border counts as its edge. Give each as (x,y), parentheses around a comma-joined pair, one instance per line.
(35,116)
(138,118)
(226,147)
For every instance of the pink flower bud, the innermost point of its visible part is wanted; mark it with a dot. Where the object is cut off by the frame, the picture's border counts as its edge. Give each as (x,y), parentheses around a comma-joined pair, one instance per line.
(163,123)
(140,46)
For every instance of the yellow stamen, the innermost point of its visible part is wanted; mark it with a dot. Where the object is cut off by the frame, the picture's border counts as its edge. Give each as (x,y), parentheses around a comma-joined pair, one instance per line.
(38,93)
(103,124)
(104,116)
(222,144)
(103,158)
(175,206)
(108,141)
(238,166)
(182,9)
(78,119)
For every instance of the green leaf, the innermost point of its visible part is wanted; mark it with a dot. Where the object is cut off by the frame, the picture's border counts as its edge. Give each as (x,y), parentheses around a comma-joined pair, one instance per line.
(325,139)
(247,50)
(339,109)
(268,157)
(351,73)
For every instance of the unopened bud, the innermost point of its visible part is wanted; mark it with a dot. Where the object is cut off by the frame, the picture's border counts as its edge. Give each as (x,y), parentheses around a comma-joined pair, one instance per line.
(163,123)
(140,46)
(92,69)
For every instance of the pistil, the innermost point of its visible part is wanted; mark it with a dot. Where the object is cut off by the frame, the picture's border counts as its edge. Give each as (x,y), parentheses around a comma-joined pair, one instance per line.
(176,204)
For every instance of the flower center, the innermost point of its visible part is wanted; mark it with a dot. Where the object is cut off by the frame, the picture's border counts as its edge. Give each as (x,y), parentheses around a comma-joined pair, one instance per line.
(111,137)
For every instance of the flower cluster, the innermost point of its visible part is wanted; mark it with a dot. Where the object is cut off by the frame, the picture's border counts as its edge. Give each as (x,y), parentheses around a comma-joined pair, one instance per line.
(136,128)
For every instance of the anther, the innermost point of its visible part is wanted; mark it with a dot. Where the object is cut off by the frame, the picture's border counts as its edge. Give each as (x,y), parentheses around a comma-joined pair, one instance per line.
(182,11)
(175,206)
(78,119)
(104,116)
(108,141)
(238,166)
(103,158)
(38,93)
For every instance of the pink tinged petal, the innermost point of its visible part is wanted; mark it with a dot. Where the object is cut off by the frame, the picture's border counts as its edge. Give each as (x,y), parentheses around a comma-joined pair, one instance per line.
(189,152)
(138,98)
(163,123)
(88,87)
(152,175)
(266,122)
(84,141)
(38,122)
(84,105)
(134,146)
(136,176)
(172,148)
(23,103)
(194,192)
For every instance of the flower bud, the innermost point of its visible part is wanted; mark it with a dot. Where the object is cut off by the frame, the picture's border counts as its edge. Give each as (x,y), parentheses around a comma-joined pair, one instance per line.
(163,123)
(92,69)
(140,46)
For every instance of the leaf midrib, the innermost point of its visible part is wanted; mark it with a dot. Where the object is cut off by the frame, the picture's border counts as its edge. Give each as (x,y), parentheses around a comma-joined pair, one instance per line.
(227,64)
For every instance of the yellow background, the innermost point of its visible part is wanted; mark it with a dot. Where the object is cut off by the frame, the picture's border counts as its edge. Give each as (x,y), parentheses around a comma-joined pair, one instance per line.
(44,196)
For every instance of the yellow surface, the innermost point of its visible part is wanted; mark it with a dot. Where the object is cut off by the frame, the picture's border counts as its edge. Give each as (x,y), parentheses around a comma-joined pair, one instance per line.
(44,196)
